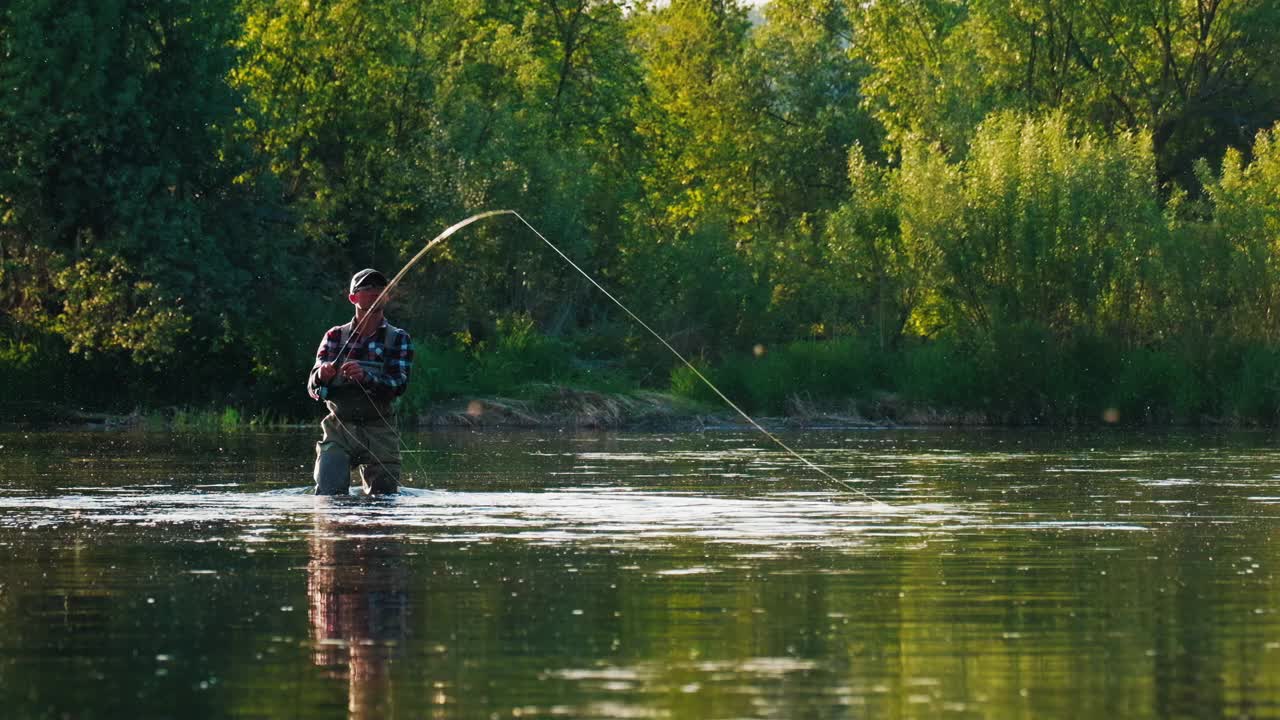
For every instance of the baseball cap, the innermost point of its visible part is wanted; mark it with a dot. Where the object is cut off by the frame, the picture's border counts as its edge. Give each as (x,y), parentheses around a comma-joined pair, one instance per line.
(367,278)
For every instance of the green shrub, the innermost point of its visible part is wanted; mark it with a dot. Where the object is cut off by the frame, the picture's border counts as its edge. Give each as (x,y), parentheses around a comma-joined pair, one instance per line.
(763,382)
(1252,391)
(439,371)
(1157,385)
(229,420)
(942,372)
(685,383)
(208,420)
(518,355)
(1038,226)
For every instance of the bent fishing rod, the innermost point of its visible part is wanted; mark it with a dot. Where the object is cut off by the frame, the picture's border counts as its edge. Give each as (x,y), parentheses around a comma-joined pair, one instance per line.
(697,373)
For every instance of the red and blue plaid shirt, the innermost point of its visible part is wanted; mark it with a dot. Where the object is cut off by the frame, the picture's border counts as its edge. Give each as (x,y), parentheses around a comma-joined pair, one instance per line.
(395,357)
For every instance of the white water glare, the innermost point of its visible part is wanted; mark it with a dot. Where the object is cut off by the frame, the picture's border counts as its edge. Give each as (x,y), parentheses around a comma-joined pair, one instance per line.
(607,516)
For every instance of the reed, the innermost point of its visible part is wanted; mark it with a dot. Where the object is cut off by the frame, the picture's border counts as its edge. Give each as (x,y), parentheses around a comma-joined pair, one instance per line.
(213,420)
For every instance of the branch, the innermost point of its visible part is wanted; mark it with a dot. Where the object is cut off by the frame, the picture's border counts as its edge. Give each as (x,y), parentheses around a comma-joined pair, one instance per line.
(1087,63)
(1105,24)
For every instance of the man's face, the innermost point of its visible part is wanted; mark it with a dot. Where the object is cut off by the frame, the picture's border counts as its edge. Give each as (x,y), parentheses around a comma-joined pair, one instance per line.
(364,298)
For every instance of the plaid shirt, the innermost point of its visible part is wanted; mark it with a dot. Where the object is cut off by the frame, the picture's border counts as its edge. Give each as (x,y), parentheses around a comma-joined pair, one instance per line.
(396,358)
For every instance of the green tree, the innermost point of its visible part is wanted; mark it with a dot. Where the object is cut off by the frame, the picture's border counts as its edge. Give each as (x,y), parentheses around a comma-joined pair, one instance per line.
(747,131)
(1038,226)
(126,215)
(340,96)
(870,284)
(1224,269)
(680,261)
(388,121)
(925,75)
(802,92)
(1199,75)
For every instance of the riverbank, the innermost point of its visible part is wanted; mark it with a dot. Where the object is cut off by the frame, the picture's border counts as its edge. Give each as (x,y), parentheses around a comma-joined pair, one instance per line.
(560,407)
(555,383)
(548,407)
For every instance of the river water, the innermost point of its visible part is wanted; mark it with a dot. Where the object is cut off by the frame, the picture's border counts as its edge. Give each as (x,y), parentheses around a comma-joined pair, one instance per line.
(995,575)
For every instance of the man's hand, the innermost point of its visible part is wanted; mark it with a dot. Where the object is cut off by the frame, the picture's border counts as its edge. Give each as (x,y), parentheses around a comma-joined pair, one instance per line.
(327,372)
(352,371)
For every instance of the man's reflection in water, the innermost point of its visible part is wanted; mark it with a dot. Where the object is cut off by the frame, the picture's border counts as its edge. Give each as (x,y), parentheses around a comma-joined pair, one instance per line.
(359,605)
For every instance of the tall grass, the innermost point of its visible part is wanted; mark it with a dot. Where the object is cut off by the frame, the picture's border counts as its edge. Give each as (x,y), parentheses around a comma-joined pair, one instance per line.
(1022,375)
(764,380)
(213,420)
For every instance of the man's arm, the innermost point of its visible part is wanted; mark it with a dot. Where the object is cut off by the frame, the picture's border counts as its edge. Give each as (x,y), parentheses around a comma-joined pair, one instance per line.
(324,370)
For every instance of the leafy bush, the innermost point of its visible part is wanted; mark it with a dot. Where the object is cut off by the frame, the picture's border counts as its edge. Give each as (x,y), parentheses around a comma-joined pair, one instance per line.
(1157,385)
(942,372)
(517,355)
(208,420)
(763,381)
(439,371)
(1038,226)
(686,383)
(1252,391)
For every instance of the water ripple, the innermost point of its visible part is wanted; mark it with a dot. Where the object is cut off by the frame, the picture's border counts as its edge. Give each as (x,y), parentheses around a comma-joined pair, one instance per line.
(609,516)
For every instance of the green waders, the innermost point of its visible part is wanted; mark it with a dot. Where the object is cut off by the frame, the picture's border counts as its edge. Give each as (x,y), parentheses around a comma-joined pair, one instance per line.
(357,433)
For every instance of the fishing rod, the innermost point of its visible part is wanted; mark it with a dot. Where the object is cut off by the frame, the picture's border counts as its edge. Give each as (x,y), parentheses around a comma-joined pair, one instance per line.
(697,373)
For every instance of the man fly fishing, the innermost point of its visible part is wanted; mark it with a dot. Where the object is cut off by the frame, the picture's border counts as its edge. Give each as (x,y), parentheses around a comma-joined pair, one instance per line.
(361,367)
(381,372)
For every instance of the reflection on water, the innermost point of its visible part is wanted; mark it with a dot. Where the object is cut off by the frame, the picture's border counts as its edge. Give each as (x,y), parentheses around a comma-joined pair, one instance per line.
(1013,575)
(358,587)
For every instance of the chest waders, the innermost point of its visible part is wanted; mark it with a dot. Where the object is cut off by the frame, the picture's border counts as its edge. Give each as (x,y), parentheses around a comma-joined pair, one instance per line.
(357,430)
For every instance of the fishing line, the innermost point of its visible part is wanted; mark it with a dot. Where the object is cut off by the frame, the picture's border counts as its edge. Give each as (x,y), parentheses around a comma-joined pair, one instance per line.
(480,216)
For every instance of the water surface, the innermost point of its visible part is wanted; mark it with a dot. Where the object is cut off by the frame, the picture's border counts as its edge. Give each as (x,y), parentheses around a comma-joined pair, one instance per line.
(987,575)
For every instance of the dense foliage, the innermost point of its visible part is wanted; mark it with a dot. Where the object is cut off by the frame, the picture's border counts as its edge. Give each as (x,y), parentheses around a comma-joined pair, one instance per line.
(1039,211)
